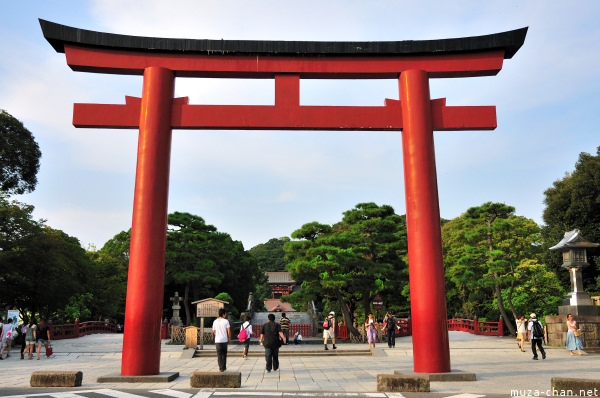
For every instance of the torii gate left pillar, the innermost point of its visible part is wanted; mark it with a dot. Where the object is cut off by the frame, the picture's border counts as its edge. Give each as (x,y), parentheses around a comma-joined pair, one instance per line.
(157,112)
(145,284)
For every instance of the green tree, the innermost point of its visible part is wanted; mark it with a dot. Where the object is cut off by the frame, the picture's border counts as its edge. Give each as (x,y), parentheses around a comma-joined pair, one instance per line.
(205,261)
(41,273)
(77,308)
(270,256)
(540,290)
(349,263)
(19,156)
(108,285)
(574,202)
(117,248)
(482,249)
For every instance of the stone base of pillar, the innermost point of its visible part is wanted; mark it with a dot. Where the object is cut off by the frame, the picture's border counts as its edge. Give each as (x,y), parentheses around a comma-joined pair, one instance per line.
(589,325)
(578,310)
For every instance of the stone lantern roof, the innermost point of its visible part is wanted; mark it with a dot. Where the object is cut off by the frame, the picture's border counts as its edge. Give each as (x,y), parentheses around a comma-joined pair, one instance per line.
(574,240)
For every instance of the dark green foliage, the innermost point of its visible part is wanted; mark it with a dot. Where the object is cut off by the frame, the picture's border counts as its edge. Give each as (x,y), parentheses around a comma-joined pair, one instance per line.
(347,264)
(270,256)
(41,268)
(202,262)
(19,156)
(491,260)
(574,202)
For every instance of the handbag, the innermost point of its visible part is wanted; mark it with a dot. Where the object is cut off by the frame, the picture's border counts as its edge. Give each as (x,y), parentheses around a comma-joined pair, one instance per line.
(577,333)
(49,351)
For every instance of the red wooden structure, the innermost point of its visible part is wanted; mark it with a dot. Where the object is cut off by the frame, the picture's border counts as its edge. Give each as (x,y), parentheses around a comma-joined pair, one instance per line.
(473,326)
(156,113)
(304,330)
(74,330)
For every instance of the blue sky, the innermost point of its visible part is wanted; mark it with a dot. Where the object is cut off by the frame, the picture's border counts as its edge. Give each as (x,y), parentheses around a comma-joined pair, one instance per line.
(257,185)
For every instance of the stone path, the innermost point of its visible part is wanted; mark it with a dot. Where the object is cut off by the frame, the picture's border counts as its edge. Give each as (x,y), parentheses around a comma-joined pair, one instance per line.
(497,362)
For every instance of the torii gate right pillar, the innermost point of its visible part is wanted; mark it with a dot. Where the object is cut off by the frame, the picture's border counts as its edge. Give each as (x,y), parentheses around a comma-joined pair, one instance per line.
(431,349)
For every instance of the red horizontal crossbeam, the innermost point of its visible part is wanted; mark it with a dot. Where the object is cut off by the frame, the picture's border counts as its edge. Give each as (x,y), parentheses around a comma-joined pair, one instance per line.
(89,59)
(285,117)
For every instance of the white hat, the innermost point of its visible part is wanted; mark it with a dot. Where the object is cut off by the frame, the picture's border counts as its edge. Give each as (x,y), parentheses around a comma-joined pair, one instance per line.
(331,313)
(532,315)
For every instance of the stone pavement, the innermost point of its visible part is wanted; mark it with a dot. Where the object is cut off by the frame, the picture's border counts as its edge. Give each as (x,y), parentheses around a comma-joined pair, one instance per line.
(497,362)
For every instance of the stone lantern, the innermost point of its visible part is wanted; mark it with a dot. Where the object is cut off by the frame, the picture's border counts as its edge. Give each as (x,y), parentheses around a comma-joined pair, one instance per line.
(574,250)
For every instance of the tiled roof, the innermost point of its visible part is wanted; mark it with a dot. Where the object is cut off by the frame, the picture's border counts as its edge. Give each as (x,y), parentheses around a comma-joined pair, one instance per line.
(276,304)
(280,277)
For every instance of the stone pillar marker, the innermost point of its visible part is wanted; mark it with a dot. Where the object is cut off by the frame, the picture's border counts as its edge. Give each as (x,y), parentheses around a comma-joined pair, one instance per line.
(176,320)
(578,302)
(573,247)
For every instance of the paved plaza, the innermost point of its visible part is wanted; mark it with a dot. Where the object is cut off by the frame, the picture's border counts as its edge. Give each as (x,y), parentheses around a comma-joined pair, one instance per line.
(497,362)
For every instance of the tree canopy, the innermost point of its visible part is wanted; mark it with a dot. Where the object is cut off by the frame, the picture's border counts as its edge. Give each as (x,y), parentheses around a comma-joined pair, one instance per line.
(204,262)
(574,202)
(19,156)
(270,256)
(491,260)
(352,261)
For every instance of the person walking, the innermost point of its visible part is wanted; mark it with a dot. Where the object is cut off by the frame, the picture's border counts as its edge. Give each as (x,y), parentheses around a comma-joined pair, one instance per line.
(285,326)
(22,330)
(521,332)
(43,337)
(329,330)
(535,331)
(7,334)
(573,341)
(269,338)
(30,337)
(389,324)
(247,326)
(222,333)
(370,328)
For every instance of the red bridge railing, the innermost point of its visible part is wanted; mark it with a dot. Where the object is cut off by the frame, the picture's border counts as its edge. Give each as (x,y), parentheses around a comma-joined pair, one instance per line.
(74,330)
(473,326)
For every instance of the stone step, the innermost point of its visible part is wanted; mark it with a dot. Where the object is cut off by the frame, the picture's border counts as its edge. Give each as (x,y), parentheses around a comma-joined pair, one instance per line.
(286,353)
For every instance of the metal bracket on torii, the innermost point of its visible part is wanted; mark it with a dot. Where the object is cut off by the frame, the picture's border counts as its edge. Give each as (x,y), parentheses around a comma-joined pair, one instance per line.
(156,113)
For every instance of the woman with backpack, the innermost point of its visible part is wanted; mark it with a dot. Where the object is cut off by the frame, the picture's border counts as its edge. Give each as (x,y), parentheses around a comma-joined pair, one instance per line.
(245,336)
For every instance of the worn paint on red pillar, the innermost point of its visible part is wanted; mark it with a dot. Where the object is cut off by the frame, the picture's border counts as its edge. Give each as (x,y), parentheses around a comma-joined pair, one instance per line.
(143,310)
(431,350)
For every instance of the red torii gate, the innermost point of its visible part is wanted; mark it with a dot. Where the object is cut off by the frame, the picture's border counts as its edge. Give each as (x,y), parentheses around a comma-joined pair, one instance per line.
(160,60)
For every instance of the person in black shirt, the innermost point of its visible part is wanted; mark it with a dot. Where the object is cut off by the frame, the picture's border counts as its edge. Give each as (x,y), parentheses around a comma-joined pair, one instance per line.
(389,324)
(270,334)
(43,337)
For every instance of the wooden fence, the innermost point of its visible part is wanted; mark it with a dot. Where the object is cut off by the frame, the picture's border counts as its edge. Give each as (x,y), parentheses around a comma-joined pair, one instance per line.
(304,330)
(404,328)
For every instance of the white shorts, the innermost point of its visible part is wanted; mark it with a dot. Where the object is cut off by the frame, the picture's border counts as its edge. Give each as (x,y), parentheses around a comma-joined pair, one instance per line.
(328,333)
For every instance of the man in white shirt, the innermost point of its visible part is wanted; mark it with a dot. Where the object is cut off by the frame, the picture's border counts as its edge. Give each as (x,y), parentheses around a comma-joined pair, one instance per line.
(222,333)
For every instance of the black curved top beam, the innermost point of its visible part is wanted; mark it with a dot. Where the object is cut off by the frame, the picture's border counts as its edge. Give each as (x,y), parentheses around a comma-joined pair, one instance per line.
(59,35)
